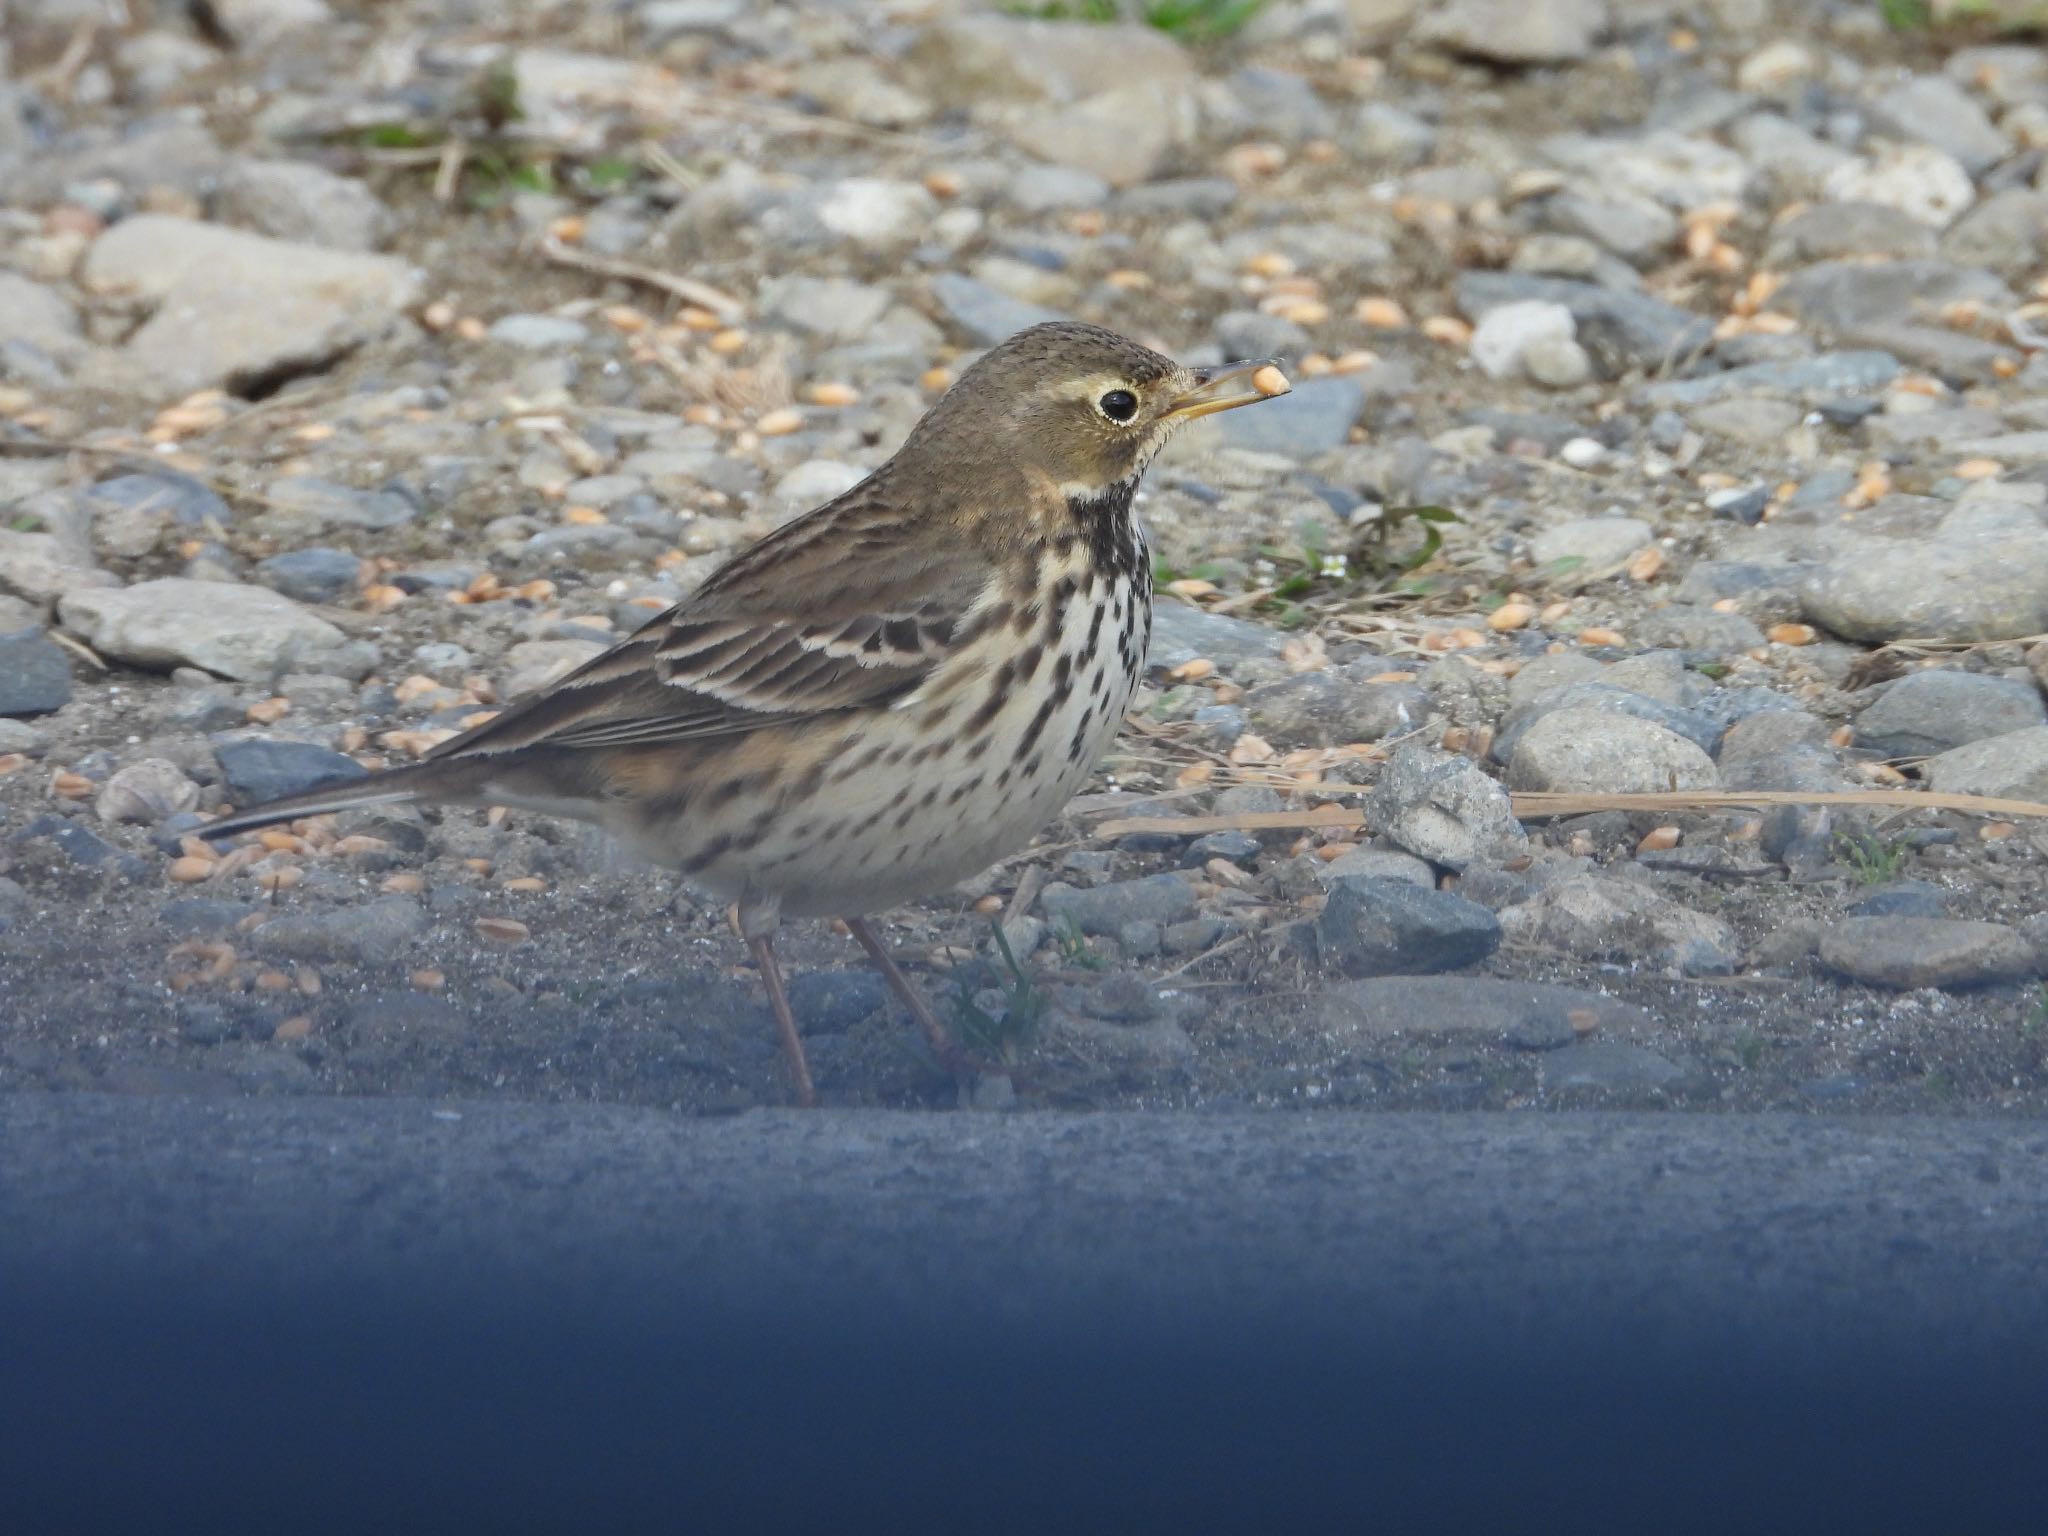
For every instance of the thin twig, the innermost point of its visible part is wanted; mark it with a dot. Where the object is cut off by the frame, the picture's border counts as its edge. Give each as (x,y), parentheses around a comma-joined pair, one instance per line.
(688,289)
(1540,805)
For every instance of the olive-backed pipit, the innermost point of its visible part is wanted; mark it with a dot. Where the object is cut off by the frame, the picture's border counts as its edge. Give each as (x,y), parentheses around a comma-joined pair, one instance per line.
(889,693)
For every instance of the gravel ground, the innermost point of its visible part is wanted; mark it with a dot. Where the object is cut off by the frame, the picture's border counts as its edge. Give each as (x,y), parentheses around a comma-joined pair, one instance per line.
(1668,419)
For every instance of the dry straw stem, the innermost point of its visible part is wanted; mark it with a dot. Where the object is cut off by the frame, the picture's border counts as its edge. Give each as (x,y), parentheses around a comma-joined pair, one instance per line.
(688,289)
(1537,805)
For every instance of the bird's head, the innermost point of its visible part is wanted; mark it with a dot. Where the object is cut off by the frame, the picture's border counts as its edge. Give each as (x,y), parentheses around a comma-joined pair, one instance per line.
(1084,407)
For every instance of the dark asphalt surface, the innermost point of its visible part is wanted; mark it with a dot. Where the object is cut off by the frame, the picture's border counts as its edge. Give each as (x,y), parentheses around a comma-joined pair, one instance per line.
(544,1317)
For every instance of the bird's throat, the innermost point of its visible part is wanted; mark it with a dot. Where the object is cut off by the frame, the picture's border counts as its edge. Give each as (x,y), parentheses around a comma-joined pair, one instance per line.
(1105,523)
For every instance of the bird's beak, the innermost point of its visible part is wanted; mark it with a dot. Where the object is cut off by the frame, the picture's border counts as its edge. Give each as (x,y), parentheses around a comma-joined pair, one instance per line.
(1226,388)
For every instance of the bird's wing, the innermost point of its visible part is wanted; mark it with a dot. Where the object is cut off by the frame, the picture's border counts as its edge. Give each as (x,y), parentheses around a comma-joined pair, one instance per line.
(842,609)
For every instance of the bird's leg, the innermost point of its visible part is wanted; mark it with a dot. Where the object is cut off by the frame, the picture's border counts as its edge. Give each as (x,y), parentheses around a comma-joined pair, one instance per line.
(757,924)
(950,1056)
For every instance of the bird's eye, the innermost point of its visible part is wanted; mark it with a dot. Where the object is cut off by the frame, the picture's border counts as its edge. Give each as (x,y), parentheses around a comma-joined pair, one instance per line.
(1118,405)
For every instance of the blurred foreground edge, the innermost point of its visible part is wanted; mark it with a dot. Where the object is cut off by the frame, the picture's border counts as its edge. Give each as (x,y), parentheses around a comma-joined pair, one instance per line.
(379,1314)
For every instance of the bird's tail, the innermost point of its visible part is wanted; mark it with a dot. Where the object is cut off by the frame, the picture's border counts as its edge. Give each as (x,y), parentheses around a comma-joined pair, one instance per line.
(392,786)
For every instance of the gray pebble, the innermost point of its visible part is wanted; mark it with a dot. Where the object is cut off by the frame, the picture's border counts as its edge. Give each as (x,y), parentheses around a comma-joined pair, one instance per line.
(1385,927)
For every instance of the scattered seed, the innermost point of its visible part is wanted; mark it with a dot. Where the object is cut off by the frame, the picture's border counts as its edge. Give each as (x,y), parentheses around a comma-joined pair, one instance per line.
(404,883)
(1382,314)
(1790,634)
(428,981)
(989,905)
(1658,838)
(1270,381)
(1583,1021)
(832,393)
(1193,671)
(1646,563)
(298,1027)
(189,870)
(526,885)
(1598,634)
(1448,329)
(66,785)
(502,930)
(1979,469)
(1511,616)
(780,423)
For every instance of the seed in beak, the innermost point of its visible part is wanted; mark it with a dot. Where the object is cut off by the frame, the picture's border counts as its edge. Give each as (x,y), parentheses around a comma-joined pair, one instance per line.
(1270,381)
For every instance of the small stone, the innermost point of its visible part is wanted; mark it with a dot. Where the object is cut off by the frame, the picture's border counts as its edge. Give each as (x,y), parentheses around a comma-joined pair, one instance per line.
(1912,952)
(1443,808)
(538,333)
(1527,1015)
(874,212)
(35,674)
(258,769)
(990,316)
(1506,332)
(148,792)
(1593,751)
(815,482)
(316,575)
(1916,179)
(1931,110)
(1333,709)
(1386,927)
(1104,909)
(1516,31)
(1925,713)
(1314,418)
(372,932)
(328,503)
(295,200)
(40,567)
(1591,544)
(1608,1066)
(1597,917)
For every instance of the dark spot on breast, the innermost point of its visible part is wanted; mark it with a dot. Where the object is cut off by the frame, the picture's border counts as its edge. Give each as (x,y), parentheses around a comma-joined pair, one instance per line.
(1029,660)
(1038,722)
(707,854)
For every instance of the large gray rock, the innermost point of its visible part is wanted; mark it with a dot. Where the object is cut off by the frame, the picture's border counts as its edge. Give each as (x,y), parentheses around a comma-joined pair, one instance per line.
(1941,588)
(1928,712)
(1909,952)
(250,634)
(2007,233)
(1596,751)
(237,310)
(2013,766)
